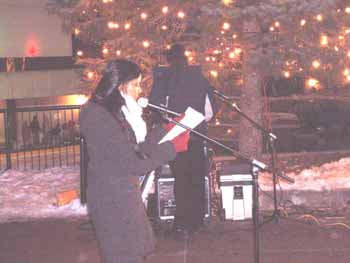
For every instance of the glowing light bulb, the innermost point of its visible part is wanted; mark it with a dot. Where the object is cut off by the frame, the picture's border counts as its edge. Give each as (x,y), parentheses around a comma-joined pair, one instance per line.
(286,74)
(234,36)
(336,48)
(80,53)
(277,24)
(232,55)
(227,2)
(316,63)
(165,9)
(90,75)
(302,22)
(110,25)
(214,73)
(238,51)
(272,28)
(319,17)
(226,26)
(346,72)
(118,52)
(347,10)
(348,54)
(312,82)
(207,59)
(164,27)
(181,14)
(145,44)
(143,16)
(127,26)
(324,40)
(105,51)
(187,53)
(76,31)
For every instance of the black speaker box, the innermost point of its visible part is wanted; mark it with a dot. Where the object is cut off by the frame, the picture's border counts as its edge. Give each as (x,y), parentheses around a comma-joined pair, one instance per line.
(165,195)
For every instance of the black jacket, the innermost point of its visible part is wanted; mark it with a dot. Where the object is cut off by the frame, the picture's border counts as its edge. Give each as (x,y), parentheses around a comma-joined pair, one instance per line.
(185,86)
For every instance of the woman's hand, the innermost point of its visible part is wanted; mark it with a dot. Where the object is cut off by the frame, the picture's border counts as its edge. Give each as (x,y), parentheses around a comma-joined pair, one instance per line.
(170,125)
(181,141)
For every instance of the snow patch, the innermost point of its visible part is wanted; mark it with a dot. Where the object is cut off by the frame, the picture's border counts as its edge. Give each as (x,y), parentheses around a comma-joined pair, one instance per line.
(33,194)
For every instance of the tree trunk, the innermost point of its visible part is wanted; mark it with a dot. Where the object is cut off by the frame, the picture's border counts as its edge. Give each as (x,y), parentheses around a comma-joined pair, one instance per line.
(251,104)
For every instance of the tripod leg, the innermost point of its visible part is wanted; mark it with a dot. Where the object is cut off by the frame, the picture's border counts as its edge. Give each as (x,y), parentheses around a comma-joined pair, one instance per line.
(256,236)
(275,215)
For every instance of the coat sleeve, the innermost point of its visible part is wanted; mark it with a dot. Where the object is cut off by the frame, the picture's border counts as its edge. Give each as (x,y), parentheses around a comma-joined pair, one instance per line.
(121,153)
(153,137)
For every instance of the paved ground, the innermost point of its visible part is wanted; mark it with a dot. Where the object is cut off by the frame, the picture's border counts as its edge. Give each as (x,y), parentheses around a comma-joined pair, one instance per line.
(73,241)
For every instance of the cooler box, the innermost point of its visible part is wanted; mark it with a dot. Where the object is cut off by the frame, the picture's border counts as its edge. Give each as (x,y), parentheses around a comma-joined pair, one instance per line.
(236,187)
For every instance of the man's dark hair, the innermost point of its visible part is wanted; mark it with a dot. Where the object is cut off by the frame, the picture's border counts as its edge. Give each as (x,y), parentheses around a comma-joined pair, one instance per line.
(176,55)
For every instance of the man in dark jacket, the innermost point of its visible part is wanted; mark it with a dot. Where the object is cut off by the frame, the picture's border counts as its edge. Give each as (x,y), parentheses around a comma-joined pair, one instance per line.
(177,87)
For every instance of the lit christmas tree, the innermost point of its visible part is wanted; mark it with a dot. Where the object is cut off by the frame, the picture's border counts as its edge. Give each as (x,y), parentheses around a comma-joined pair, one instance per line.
(238,43)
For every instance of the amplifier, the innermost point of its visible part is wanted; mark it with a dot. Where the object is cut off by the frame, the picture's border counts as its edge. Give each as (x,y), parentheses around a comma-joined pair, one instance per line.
(165,195)
(235,181)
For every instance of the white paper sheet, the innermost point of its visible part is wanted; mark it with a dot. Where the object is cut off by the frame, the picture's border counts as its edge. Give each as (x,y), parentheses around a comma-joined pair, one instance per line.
(191,119)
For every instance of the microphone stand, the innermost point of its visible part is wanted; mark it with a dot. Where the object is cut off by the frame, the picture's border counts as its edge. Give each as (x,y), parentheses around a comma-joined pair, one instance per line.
(271,138)
(253,162)
(256,166)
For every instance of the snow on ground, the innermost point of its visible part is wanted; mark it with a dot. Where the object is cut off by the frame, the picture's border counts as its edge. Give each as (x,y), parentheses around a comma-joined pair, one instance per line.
(329,176)
(33,194)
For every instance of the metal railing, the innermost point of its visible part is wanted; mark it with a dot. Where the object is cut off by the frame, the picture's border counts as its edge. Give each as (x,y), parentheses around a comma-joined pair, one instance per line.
(39,137)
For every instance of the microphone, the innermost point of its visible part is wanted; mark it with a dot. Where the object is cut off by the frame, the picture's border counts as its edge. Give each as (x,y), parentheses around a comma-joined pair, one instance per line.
(143,103)
(226,99)
(220,95)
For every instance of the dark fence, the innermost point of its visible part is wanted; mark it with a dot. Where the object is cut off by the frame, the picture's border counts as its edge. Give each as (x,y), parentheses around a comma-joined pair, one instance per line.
(39,137)
(44,137)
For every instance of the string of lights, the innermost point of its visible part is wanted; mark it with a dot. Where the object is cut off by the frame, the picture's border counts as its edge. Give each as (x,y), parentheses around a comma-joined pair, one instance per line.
(290,38)
(152,27)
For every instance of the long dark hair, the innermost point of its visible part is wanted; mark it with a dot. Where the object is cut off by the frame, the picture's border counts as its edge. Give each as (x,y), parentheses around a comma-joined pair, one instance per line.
(107,94)
(118,72)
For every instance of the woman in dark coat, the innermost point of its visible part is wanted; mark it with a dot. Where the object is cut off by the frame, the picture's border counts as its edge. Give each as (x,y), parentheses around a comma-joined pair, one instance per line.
(119,151)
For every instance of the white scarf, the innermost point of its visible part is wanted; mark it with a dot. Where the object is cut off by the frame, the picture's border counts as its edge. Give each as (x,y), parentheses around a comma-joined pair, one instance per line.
(133,114)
